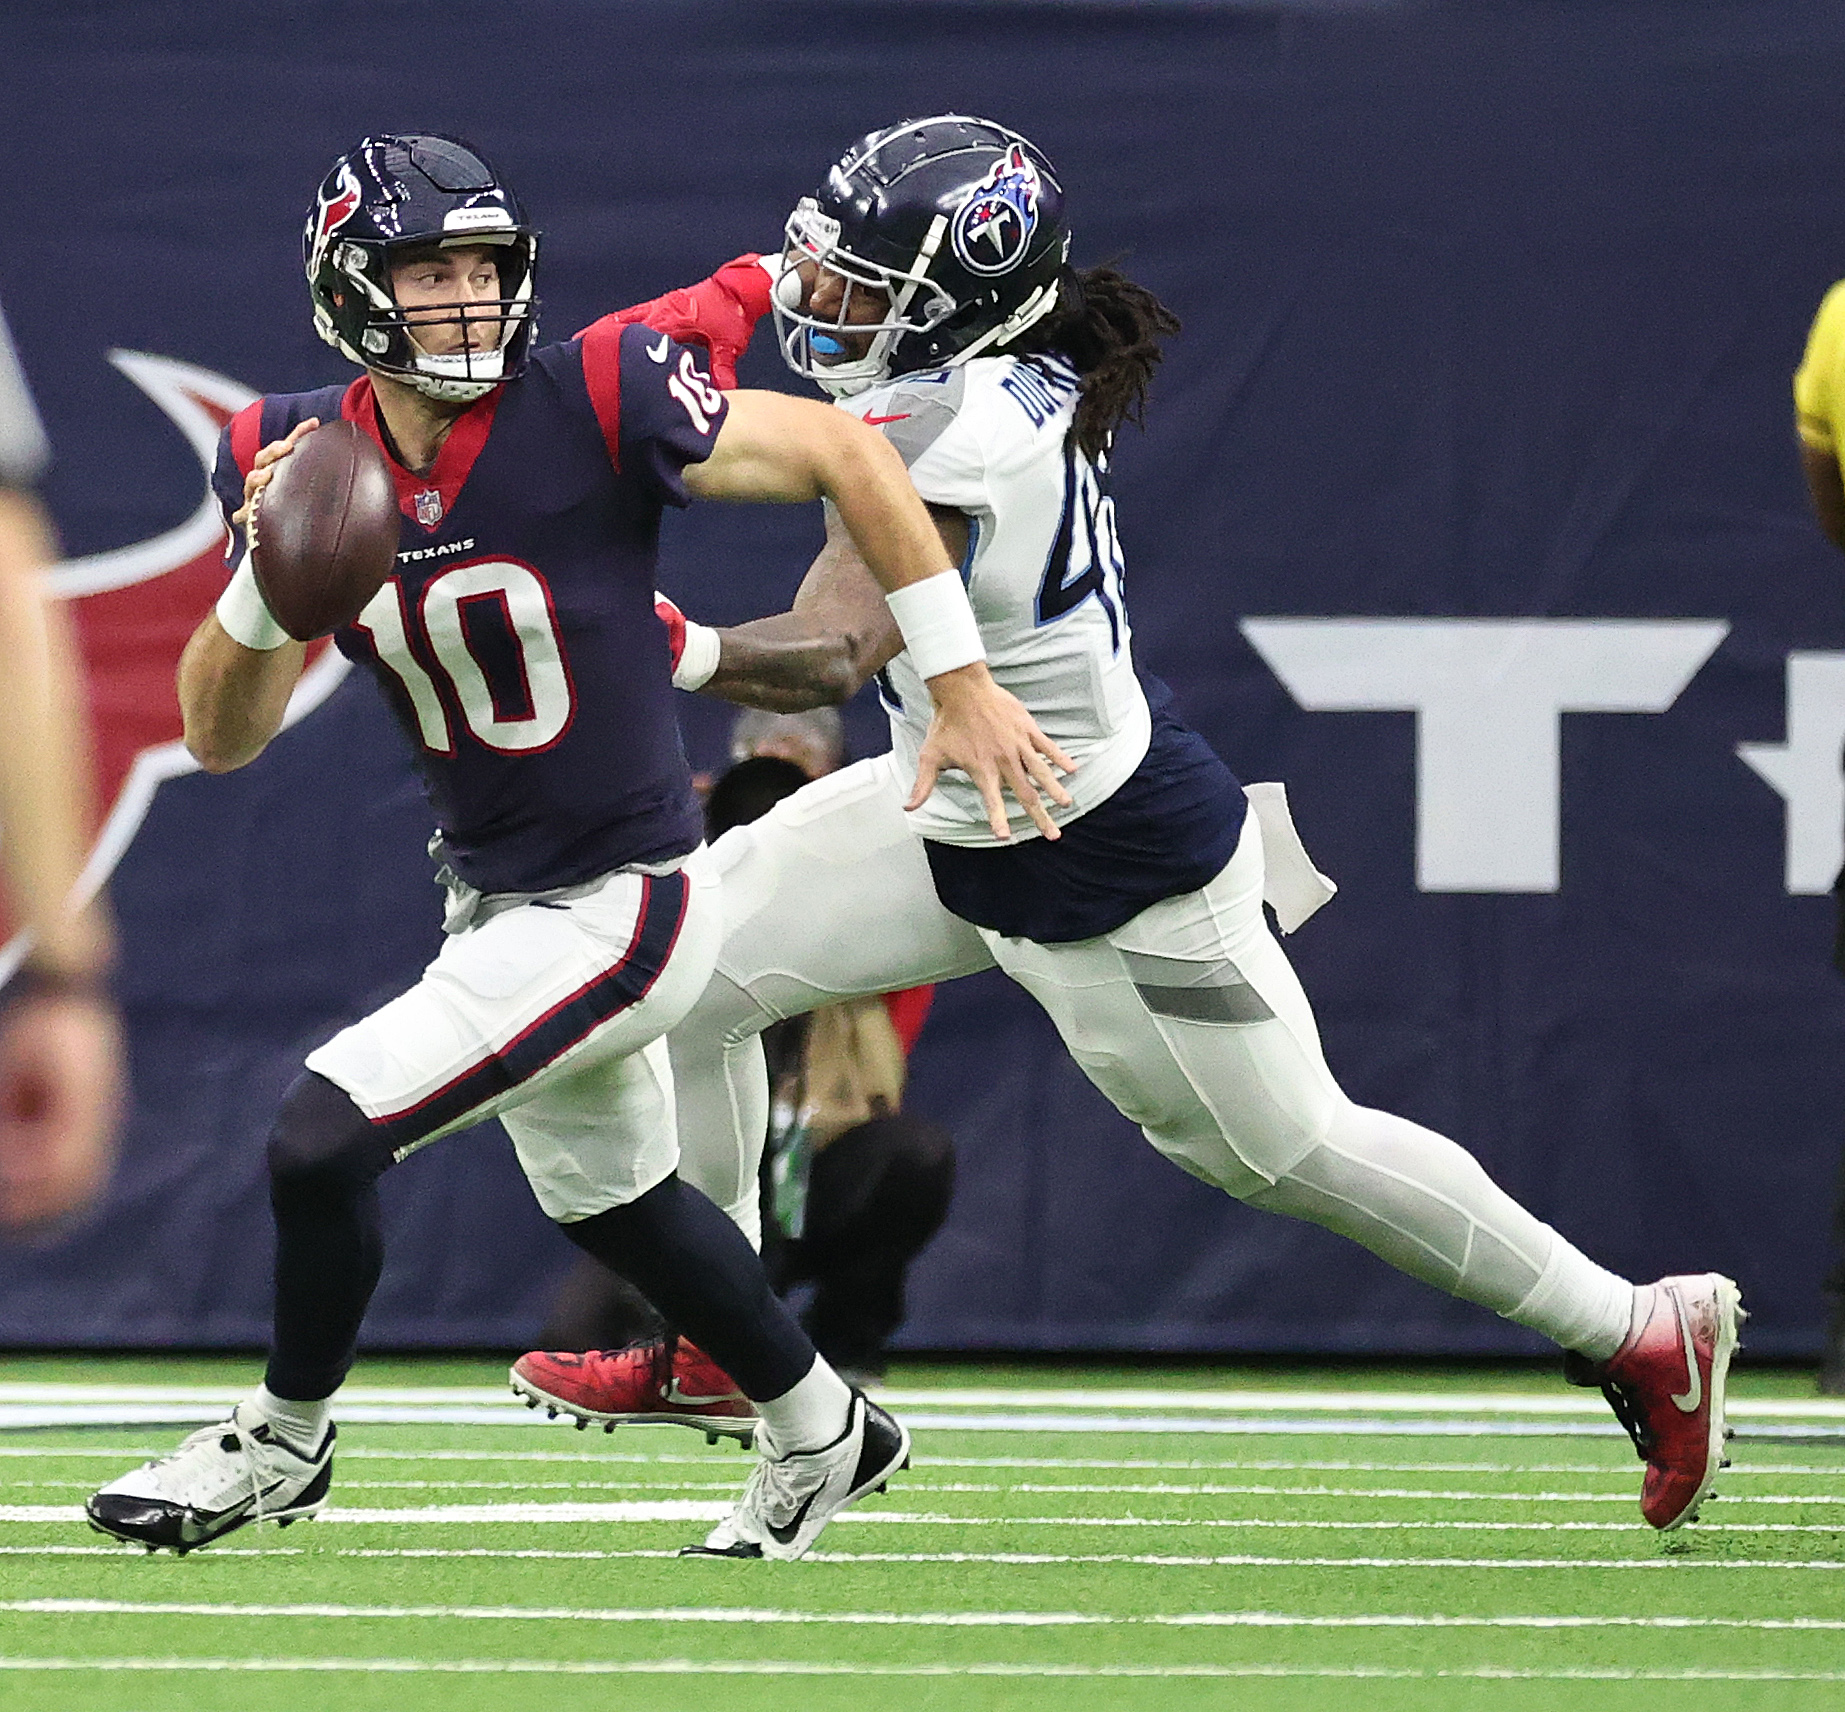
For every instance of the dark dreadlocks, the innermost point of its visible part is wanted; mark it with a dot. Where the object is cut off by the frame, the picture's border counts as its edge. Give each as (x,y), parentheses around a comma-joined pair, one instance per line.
(1109,329)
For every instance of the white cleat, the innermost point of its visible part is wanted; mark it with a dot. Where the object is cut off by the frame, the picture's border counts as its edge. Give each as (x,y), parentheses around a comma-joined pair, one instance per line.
(219,1479)
(789,1499)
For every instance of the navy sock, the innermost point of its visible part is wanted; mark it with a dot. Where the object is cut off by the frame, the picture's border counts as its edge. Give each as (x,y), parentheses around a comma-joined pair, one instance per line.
(324,1163)
(699,1270)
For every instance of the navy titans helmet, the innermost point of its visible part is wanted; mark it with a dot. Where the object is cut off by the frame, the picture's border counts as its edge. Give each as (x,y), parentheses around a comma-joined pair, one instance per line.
(957,221)
(394,193)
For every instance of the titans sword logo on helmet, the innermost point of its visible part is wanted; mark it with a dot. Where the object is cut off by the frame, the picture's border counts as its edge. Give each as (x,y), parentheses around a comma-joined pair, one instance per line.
(994,225)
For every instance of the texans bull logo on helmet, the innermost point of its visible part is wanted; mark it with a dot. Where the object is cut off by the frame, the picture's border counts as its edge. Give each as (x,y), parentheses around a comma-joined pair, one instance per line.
(133,610)
(993,227)
(334,209)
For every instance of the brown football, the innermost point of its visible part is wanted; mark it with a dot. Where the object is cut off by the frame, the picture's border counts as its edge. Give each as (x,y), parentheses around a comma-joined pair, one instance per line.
(326,528)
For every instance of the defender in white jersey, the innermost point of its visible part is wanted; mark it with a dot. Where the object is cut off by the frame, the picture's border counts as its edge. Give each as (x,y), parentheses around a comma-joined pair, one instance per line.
(990,439)
(926,286)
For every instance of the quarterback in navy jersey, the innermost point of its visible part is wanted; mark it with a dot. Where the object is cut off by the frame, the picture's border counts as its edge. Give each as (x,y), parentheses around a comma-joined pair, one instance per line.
(926,286)
(526,575)
(518,644)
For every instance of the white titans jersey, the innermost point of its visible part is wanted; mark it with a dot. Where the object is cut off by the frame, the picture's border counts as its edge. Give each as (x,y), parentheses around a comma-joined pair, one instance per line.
(991,439)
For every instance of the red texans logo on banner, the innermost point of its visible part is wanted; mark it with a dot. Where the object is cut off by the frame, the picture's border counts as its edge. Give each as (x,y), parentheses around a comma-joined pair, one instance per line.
(133,610)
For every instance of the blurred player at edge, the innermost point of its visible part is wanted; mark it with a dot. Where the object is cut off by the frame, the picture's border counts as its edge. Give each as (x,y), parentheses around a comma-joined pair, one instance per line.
(926,286)
(1819,415)
(518,646)
(60,1045)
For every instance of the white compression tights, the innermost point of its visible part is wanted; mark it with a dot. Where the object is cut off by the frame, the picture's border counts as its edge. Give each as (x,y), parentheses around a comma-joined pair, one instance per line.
(1422,1203)
(1189,1018)
(721,1082)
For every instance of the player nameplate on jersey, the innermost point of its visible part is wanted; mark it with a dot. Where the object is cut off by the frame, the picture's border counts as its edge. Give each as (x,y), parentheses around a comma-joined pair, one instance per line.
(429,508)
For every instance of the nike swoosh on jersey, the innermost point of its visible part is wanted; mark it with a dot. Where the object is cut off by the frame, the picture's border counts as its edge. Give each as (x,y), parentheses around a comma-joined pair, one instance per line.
(1688,1403)
(785,1536)
(902,416)
(658,352)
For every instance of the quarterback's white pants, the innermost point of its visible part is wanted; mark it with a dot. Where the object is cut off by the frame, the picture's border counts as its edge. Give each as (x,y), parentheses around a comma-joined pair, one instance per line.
(1189,1018)
(550,1014)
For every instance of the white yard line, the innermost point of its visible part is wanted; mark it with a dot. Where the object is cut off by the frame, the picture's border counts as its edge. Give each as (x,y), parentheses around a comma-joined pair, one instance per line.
(1246,1560)
(1333,1426)
(991,1409)
(666,1510)
(802,1667)
(1552,1401)
(21,1417)
(1623,1469)
(1144,1560)
(693,1510)
(1038,1489)
(672,1510)
(751,1615)
(1264,1465)
(224,1396)
(1555,1401)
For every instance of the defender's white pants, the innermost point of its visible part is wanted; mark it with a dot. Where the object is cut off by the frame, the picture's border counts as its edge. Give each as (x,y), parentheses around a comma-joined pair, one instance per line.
(827,896)
(1189,1018)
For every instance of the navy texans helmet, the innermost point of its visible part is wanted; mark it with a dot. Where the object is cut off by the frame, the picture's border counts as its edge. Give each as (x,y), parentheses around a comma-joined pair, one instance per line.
(958,222)
(391,194)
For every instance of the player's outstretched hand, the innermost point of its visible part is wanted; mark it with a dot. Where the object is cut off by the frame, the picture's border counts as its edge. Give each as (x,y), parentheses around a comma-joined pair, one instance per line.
(262,467)
(60,1087)
(988,734)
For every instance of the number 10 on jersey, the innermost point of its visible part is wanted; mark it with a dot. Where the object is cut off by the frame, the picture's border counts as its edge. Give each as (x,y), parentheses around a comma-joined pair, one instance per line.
(489,628)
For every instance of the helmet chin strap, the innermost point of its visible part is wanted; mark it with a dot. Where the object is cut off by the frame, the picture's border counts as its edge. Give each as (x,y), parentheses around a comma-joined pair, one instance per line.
(1028,314)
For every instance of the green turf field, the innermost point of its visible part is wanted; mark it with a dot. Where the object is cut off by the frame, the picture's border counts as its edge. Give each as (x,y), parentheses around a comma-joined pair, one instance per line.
(1077,1538)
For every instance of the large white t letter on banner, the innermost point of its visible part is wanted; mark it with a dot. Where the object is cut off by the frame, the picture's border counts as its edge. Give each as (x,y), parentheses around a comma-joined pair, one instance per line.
(1805,769)
(1488,695)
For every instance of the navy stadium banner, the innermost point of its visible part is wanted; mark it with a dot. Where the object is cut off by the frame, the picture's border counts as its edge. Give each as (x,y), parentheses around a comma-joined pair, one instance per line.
(1468,505)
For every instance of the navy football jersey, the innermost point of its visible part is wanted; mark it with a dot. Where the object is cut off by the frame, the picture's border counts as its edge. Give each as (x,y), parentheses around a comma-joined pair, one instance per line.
(517,642)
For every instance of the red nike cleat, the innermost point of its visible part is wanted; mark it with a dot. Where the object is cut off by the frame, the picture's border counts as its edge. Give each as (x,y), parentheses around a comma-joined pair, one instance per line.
(1665,1385)
(673,1383)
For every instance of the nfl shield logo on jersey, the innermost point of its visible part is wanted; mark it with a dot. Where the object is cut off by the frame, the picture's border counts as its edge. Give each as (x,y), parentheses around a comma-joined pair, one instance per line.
(429,508)
(993,227)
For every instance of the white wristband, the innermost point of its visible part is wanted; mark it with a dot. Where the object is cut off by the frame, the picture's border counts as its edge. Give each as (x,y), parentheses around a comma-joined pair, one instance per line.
(940,632)
(698,659)
(244,614)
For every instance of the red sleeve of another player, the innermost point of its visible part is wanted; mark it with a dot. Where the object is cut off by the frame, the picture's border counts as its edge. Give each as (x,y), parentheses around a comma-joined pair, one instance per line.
(908,1011)
(247,436)
(719,313)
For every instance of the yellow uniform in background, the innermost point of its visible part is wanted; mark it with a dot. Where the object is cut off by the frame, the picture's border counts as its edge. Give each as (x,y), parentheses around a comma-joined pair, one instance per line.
(1819,382)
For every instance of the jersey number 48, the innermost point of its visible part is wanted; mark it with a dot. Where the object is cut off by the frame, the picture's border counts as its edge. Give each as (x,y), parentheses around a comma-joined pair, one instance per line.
(1085,559)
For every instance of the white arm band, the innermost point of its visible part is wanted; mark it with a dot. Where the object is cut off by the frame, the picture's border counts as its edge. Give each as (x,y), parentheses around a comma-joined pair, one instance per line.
(698,659)
(940,632)
(245,616)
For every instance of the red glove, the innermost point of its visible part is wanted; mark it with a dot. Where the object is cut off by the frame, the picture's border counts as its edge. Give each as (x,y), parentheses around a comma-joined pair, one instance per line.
(695,648)
(674,620)
(719,313)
